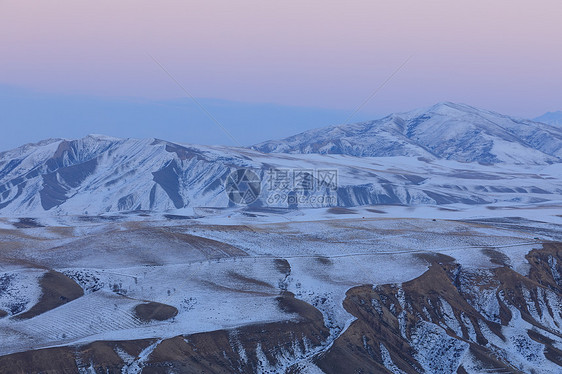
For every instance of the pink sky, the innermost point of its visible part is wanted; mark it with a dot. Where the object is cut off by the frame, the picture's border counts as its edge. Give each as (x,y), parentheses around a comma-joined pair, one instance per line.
(502,55)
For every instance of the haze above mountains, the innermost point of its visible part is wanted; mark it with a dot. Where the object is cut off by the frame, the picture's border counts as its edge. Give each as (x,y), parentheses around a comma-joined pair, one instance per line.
(30,116)
(448,153)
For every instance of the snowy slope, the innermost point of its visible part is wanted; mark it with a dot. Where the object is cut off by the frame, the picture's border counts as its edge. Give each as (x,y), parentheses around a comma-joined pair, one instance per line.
(230,276)
(444,131)
(100,174)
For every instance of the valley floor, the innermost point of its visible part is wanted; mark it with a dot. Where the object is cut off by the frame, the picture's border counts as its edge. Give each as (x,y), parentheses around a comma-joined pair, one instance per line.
(381,289)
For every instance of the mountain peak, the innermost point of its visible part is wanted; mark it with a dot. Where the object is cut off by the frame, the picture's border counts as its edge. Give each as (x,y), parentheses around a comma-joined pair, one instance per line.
(445,130)
(551,118)
(451,108)
(446,105)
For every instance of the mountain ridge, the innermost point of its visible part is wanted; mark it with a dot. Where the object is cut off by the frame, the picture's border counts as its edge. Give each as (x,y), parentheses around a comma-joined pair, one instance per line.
(378,162)
(442,131)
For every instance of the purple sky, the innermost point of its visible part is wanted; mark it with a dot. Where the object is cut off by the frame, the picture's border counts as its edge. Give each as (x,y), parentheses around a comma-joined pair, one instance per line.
(500,55)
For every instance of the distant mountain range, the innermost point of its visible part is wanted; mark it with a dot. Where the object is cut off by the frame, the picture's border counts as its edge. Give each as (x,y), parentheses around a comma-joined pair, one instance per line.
(551,118)
(444,131)
(449,153)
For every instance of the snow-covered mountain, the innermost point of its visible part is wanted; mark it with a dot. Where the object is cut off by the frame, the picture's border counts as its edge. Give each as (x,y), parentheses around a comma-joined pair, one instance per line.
(438,157)
(444,131)
(551,118)
(99,173)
